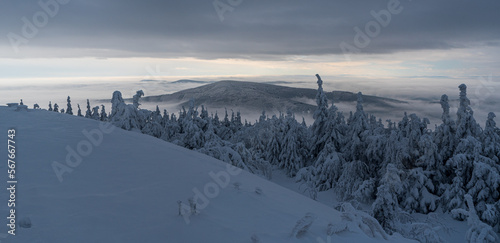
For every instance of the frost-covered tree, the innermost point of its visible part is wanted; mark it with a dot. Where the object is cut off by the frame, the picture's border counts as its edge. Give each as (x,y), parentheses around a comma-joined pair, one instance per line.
(153,126)
(386,206)
(376,142)
(165,118)
(462,165)
(356,134)
(467,156)
(291,157)
(491,139)
(69,110)
(192,136)
(104,115)
(413,128)
(79,111)
(56,107)
(327,168)
(275,142)
(320,118)
(353,177)
(137,97)
(50,106)
(429,159)
(444,134)
(123,115)
(418,192)
(466,124)
(88,114)
(95,113)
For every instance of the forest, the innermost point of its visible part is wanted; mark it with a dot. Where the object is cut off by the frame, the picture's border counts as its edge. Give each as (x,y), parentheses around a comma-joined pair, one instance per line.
(397,168)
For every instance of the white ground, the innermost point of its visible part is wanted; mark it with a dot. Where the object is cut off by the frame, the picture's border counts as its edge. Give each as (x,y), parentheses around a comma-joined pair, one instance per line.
(126,190)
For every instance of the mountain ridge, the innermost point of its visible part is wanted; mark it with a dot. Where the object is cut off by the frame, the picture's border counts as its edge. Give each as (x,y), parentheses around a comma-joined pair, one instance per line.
(261,96)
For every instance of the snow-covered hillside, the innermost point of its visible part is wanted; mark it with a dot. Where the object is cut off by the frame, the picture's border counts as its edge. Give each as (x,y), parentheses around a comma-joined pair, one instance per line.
(81,181)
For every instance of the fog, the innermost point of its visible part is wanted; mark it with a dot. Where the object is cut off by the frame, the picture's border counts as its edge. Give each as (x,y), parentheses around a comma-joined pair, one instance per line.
(422,100)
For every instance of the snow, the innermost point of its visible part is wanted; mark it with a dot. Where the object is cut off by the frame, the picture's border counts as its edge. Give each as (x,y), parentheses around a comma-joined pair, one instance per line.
(128,186)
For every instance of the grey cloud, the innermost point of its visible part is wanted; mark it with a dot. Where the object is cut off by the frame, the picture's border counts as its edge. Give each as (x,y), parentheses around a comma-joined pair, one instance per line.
(255,29)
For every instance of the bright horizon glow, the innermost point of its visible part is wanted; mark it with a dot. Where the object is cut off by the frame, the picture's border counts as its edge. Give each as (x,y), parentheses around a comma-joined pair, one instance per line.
(450,63)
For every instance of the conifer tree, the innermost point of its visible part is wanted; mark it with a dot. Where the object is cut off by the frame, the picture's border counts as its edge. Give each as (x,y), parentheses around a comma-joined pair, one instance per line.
(386,206)
(491,139)
(69,110)
(79,111)
(88,114)
(95,113)
(136,98)
(104,115)
(320,118)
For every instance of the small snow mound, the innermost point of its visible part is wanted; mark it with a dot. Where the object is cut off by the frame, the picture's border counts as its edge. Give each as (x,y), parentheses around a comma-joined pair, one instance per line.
(25,223)
(22,108)
(303,225)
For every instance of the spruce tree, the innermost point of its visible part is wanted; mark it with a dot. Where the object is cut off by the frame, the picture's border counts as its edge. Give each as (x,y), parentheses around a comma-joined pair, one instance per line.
(104,115)
(79,111)
(69,110)
(320,118)
(386,206)
(88,114)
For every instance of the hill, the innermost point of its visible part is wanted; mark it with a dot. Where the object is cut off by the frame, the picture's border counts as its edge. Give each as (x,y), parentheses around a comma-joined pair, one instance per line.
(262,96)
(82,181)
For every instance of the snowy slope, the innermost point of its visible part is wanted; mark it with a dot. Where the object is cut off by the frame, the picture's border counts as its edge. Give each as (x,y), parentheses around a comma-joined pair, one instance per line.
(126,190)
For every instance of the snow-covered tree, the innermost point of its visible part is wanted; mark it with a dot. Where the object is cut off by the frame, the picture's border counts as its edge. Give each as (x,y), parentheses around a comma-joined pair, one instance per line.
(462,165)
(79,111)
(69,110)
(192,136)
(291,157)
(136,98)
(123,115)
(50,106)
(466,124)
(327,168)
(354,174)
(491,139)
(95,113)
(104,115)
(386,206)
(320,118)
(444,134)
(88,114)
(418,192)
(356,134)
(56,107)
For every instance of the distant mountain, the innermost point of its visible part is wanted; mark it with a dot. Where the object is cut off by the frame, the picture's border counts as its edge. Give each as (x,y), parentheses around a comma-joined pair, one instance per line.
(262,96)
(183,81)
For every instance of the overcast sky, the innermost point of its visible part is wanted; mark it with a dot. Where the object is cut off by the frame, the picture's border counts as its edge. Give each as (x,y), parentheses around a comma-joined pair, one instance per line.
(170,39)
